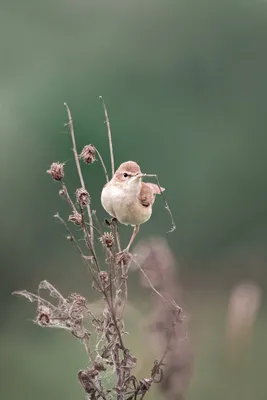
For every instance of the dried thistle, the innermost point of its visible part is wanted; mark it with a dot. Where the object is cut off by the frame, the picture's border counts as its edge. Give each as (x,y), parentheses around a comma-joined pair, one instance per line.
(106,349)
(56,171)
(82,197)
(107,239)
(88,154)
(103,276)
(76,218)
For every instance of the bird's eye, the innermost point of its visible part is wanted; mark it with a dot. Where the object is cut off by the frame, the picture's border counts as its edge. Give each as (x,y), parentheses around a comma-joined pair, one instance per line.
(125,175)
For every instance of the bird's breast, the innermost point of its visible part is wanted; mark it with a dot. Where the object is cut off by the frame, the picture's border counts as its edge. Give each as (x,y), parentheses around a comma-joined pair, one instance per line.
(124,205)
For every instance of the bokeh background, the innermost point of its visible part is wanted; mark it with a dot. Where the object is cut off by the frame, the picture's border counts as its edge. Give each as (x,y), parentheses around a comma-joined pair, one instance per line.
(185,86)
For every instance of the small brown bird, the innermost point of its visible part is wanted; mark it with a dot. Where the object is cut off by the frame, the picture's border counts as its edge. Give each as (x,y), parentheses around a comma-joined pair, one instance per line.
(128,199)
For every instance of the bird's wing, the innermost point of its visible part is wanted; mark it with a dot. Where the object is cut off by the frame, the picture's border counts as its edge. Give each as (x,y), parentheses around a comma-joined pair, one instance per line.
(155,188)
(147,193)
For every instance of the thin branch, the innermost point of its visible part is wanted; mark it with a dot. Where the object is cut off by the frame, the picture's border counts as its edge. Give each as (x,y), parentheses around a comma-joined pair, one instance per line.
(109,136)
(80,172)
(123,272)
(165,202)
(103,164)
(172,302)
(64,188)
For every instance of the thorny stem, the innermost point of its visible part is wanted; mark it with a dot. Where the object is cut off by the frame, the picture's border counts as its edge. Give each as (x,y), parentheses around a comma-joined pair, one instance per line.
(109,136)
(80,173)
(64,187)
(103,164)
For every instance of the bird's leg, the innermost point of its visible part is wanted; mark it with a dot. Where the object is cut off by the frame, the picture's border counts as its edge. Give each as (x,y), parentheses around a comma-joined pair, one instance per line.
(135,231)
(123,255)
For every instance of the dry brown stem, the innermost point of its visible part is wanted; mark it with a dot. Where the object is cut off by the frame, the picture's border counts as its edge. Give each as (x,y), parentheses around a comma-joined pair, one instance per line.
(109,136)
(80,172)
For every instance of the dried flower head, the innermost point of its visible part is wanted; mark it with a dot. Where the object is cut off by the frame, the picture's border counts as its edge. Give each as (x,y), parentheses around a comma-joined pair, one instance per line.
(56,171)
(76,218)
(103,276)
(88,154)
(82,197)
(43,319)
(107,239)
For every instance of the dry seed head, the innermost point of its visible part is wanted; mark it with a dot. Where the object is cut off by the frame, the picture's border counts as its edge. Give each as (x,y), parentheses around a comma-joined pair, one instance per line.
(43,319)
(76,218)
(103,276)
(82,197)
(107,239)
(56,171)
(88,154)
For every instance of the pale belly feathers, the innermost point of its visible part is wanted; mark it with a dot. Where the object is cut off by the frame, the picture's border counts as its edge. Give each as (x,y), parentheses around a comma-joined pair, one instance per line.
(124,206)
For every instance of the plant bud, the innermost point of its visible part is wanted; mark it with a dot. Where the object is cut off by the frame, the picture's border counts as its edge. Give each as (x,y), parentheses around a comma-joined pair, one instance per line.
(88,154)
(56,171)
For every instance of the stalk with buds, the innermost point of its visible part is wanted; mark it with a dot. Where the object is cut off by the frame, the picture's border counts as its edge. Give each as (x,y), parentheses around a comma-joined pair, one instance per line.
(108,354)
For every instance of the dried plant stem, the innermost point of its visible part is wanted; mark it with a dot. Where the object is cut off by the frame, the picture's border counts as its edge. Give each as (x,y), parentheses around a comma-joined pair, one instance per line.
(123,272)
(109,136)
(88,241)
(64,188)
(88,351)
(118,373)
(103,164)
(172,302)
(71,235)
(165,201)
(80,172)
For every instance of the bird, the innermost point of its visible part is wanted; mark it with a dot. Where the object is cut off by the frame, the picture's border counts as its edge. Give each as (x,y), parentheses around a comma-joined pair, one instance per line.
(128,199)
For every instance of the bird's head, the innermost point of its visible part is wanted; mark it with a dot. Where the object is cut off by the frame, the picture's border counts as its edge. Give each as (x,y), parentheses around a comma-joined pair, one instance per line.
(128,175)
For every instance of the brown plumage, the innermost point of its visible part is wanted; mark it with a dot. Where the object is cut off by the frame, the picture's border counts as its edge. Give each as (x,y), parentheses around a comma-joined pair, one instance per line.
(148,192)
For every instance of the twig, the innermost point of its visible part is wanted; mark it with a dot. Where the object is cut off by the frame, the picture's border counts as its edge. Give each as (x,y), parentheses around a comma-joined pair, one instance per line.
(103,164)
(88,241)
(172,302)
(80,172)
(109,136)
(64,188)
(165,202)
(123,275)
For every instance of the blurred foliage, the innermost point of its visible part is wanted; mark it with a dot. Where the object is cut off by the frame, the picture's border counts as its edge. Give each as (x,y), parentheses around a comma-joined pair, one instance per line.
(185,86)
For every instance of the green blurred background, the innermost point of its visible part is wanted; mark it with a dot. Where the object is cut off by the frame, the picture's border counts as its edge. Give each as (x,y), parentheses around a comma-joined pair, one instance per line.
(185,86)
